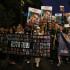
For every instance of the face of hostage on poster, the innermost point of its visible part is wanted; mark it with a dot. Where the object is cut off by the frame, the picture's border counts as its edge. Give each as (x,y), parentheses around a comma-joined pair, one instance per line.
(46,13)
(58,17)
(33,16)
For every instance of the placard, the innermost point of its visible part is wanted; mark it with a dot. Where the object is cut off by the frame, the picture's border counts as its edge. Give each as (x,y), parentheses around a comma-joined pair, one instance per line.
(33,16)
(46,13)
(58,17)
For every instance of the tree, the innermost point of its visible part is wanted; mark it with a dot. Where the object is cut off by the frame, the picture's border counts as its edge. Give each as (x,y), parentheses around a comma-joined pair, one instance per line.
(9,12)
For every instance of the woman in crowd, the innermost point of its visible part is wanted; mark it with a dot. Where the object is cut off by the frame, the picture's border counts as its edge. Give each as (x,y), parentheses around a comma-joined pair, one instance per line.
(62,46)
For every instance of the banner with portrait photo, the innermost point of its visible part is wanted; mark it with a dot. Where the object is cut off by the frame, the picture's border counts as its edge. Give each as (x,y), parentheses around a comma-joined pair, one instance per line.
(33,16)
(46,13)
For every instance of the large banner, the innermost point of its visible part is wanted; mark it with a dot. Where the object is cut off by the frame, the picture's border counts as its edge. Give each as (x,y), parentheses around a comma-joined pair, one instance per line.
(18,44)
(41,45)
(37,45)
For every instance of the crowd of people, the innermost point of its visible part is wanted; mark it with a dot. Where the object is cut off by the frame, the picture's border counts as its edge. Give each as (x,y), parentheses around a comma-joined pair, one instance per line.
(58,42)
(59,35)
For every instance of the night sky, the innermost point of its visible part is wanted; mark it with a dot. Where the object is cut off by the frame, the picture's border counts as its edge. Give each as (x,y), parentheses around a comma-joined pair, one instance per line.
(57,3)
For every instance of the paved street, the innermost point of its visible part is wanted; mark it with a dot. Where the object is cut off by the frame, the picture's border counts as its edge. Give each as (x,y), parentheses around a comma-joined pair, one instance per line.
(44,65)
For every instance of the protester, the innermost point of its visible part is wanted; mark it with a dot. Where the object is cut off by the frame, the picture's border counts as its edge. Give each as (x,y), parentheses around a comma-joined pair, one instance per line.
(19,29)
(62,47)
(37,46)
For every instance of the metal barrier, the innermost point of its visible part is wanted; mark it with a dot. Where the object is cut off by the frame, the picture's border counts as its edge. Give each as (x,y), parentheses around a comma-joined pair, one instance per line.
(25,44)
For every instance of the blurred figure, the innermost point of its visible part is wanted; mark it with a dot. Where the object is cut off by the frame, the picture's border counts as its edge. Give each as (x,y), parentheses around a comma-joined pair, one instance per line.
(11,31)
(68,19)
(2,30)
(62,46)
(53,32)
(19,29)
(37,45)
(6,30)
(37,59)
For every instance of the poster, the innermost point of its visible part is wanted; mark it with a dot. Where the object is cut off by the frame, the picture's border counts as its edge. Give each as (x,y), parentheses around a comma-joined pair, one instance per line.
(33,16)
(58,17)
(46,13)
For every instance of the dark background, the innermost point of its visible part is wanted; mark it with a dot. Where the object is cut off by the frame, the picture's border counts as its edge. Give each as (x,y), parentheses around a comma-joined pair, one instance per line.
(10,10)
